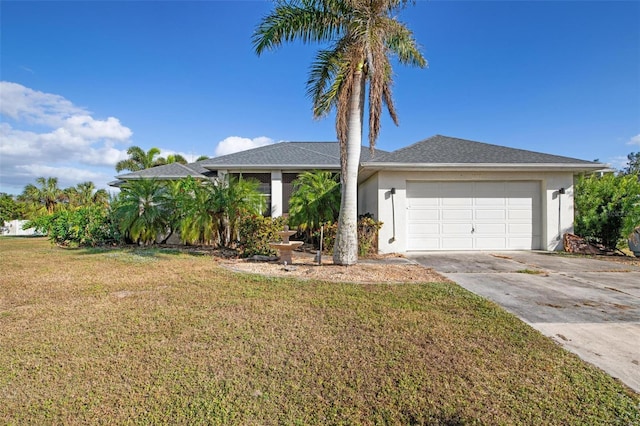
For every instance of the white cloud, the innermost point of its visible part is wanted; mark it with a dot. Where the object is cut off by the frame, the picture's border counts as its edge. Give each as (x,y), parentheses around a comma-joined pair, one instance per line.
(65,138)
(634,140)
(618,162)
(236,144)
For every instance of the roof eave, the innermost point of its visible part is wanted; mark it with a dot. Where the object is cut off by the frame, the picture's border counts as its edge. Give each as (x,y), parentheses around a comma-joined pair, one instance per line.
(573,167)
(234,167)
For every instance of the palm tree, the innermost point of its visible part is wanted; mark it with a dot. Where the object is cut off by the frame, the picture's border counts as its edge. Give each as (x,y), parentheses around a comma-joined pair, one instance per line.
(85,194)
(171,158)
(214,212)
(363,33)
(47,196)
(139,159)
(315,200)
(141,210)
(200,223)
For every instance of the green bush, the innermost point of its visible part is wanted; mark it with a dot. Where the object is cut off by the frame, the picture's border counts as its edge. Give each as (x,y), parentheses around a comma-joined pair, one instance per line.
(607,208)
(86,226)
(256,232)
(367,236)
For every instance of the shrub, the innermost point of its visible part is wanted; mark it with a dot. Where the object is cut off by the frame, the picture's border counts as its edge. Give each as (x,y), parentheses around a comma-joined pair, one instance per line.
(367,235)
(86,226)
(607,208)
(256,232)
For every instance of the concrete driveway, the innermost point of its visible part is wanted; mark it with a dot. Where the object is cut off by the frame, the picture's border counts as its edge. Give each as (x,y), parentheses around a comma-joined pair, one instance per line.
(590,307)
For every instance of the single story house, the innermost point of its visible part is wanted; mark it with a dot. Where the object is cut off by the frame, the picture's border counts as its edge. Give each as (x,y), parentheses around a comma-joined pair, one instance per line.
(441,193)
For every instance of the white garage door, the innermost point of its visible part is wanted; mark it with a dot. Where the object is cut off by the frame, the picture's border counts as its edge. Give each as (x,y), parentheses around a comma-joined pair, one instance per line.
(473,215)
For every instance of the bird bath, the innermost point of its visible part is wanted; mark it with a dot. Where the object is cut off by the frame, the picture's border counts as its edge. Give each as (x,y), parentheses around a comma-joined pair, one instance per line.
(286,247)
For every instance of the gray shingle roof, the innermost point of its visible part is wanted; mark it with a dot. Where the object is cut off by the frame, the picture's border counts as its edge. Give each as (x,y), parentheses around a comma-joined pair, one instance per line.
(283,154)
(167,171)
(447,150)
(436,150)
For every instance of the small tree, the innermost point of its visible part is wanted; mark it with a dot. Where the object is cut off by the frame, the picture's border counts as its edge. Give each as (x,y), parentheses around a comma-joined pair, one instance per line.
(607,208)
(314,201)
(10,209)
(141,210)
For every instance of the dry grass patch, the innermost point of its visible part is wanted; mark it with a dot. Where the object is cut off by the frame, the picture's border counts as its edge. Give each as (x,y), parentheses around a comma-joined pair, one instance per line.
(153,337)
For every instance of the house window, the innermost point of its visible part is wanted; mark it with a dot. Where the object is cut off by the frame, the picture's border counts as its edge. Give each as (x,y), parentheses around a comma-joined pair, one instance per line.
(287,190)
(264,188)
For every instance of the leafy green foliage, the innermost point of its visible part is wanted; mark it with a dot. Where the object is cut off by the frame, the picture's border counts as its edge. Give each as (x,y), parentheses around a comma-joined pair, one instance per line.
(45,198)
(367,235)
(141,210)
(314,201)
(85,226)
(607,208)
(10,208)
(85,194)
(257,231)
(139,159)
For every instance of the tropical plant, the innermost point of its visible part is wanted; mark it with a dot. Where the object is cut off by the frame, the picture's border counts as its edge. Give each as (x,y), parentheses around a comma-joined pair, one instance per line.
(235,198)
(607,208)
(201,220)
(315,200)
(141,210)
(85,194)
(139,159)
(257,231)
(10,208)
(85,226)
(172,158)
(46,197)
(363,34)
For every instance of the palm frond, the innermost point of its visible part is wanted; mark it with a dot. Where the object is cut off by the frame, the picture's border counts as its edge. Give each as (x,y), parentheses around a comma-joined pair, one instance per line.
(307,20)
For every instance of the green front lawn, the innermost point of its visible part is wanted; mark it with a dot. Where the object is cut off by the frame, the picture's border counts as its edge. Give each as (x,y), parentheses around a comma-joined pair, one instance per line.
(153,337)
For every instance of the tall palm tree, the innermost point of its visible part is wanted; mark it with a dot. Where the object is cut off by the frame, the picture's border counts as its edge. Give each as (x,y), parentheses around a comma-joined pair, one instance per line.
(364,34)
(139,159)
(47,196)
(315,200)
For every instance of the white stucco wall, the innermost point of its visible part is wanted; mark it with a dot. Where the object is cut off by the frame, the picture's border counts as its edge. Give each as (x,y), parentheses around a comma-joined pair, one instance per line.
(14,228)
(368,196)
(556,218)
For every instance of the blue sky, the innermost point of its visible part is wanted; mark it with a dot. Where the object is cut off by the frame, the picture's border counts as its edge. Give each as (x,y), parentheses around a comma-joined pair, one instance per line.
(83,81)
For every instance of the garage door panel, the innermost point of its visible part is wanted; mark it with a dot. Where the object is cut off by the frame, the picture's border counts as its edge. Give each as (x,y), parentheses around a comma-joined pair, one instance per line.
(473,215)
(490,214)
(423,214)
(424,228)
(490,228)
(455,214)
(520,202)
(456,228)
(520,228)
(452,201)
(520,214)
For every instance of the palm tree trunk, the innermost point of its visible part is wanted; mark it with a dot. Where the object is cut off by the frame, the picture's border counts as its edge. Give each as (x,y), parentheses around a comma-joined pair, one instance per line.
(345,250)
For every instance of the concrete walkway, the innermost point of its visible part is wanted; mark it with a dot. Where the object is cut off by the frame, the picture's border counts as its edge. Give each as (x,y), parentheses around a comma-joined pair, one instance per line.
(589,307)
